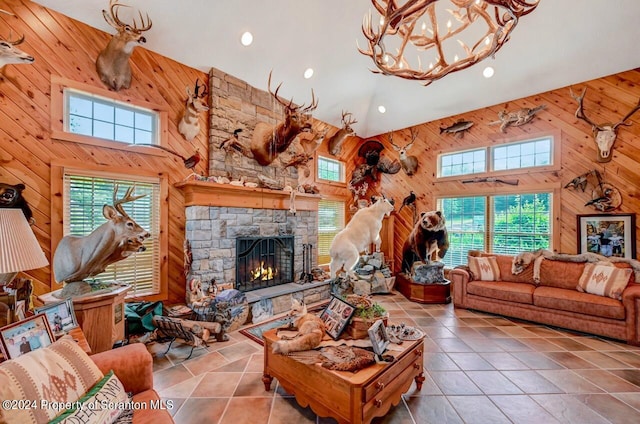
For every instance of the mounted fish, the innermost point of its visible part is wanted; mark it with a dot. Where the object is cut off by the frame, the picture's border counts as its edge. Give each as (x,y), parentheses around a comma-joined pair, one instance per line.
(189,125)
(409,163)
(113,62)
(516,118)
(9,53)
(603,134)
(458,129)
(336,140)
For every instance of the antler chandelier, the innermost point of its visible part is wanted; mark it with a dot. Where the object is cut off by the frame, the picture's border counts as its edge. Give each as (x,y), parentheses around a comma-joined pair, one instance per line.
(469,31)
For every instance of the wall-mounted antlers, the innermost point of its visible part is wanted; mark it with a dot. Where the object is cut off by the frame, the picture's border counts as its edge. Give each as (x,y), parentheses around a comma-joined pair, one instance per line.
(409,163)
(603,134)
(269,141)
(189,125)
(336,140)
(113,62)
(9,53)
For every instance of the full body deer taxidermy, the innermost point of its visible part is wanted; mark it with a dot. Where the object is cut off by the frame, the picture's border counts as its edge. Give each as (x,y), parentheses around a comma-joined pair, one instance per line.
(603,134)
(189,125)
(269,141)
(409,163)
(113,62)
(336,140)
(9,53)
(80,257)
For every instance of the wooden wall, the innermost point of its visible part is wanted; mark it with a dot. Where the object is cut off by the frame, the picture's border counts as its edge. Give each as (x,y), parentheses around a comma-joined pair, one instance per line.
(608,99)
(66,48)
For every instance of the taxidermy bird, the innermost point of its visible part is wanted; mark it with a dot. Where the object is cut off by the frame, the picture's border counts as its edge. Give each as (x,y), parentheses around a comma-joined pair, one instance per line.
(189,162)
(235,137)
(603,203)
(578,182)
(410,200)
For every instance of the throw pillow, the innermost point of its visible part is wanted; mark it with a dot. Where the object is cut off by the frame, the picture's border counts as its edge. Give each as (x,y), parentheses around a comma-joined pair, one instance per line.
(604,280)
(103,404)
(484,268)
(61,372)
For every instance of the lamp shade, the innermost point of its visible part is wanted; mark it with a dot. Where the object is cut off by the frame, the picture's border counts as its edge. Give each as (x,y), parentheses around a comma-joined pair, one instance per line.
(19,247)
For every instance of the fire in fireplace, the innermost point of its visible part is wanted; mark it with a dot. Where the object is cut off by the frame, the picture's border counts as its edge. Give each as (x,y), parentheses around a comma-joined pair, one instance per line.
(263,262)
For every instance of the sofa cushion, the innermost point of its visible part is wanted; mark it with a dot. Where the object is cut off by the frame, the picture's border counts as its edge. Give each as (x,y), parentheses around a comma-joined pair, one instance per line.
(604,280)
(484,268)
(503,290)
(560,274)
(61,372)
(574,301)
(102,404)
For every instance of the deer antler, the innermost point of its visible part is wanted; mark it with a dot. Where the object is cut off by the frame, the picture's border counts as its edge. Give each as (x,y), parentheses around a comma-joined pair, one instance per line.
(197,87)
(117,203)
(347,119)
(414,135)
(627,116)
(15,43)
(580,111)
(394,145)
(113,10)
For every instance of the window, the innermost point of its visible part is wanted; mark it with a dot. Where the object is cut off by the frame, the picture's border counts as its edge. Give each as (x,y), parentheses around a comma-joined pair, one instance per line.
(505,224)
(84,196)
(331,170)
(518,155)
(330,221)
(96,116)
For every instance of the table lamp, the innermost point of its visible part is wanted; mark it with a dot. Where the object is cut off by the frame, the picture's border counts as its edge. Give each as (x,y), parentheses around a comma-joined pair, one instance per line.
(19,247)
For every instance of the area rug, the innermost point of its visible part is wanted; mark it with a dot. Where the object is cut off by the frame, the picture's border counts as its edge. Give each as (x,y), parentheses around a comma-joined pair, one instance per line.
(255,332)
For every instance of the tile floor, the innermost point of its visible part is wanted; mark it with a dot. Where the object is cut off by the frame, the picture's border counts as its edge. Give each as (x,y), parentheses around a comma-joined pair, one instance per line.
(480,368)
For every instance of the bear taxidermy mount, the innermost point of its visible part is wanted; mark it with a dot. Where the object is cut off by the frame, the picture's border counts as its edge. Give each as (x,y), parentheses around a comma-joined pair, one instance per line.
(11,197)
(428,236)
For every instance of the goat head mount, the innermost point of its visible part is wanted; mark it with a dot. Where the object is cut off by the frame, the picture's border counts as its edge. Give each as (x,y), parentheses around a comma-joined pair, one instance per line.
(337,140)
(604,134)
(113,62)
(9,53)
(408,163)
(189,125)
(269,141)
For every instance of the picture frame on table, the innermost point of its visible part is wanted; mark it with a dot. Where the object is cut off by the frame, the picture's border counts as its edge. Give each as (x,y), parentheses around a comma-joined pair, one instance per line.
(611,235)
(336,316)
(25,336)
(60,315)
(379,337)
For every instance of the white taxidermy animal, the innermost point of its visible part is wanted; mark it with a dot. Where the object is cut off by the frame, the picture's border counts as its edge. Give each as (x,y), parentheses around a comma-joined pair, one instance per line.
(363,229)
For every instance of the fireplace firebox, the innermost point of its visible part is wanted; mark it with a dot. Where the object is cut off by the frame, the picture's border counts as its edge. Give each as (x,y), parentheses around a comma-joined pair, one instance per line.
(263,262)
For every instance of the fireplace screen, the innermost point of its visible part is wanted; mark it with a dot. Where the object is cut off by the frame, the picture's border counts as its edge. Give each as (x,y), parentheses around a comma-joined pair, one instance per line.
(263,262)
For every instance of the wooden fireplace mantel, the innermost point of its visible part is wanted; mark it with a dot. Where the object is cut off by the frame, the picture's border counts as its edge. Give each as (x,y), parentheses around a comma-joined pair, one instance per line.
(203,193)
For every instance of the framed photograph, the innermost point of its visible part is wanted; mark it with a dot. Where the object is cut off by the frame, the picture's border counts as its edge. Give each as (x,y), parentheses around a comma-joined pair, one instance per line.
(24,336)
(336,316)
(378,336)
(60,315)
(608,234)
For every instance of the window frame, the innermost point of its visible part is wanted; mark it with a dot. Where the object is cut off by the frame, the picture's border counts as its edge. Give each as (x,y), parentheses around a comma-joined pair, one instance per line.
(343,170)
(497,140)
(58,111)
(61,167)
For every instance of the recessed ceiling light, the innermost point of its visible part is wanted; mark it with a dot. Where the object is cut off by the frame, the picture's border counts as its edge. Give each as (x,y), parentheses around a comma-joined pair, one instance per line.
(382,109)
(488,72)
(308,73)
(246,39)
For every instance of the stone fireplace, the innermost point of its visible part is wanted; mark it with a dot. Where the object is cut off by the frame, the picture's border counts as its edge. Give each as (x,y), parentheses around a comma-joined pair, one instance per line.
(263,262)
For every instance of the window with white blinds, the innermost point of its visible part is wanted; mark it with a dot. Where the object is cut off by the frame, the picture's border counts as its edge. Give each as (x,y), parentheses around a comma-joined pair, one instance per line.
(84,197)
(330,222)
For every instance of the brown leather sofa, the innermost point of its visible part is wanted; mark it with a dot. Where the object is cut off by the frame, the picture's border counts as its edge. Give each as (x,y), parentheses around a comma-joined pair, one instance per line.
(133,365)
(553,301)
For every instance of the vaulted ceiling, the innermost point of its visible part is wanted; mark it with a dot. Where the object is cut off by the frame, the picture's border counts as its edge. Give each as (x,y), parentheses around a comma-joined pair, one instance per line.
(562,42)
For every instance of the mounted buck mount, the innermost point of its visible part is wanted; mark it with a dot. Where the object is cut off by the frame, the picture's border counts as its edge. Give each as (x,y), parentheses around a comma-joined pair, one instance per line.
(113,62)
(9,53)
(196,102)
(603,134)
(337,140)
(409,164)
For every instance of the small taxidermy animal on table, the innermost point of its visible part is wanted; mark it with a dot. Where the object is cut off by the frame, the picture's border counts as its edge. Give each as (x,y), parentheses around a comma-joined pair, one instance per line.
(310,328)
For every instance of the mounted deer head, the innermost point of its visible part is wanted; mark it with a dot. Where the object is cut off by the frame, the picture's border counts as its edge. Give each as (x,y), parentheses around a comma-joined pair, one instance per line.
(269,141)
(9,53)
(189,125)
(113,62)
(409,163)
(336,140)
(603,134)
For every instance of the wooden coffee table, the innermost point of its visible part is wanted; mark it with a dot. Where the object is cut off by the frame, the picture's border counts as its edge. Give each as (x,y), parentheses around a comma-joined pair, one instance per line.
(348,397)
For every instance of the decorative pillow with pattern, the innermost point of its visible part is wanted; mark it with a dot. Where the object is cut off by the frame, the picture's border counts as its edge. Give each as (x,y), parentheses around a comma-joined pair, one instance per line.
(61,372)
(103,404)
(604,280)
(484,268)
